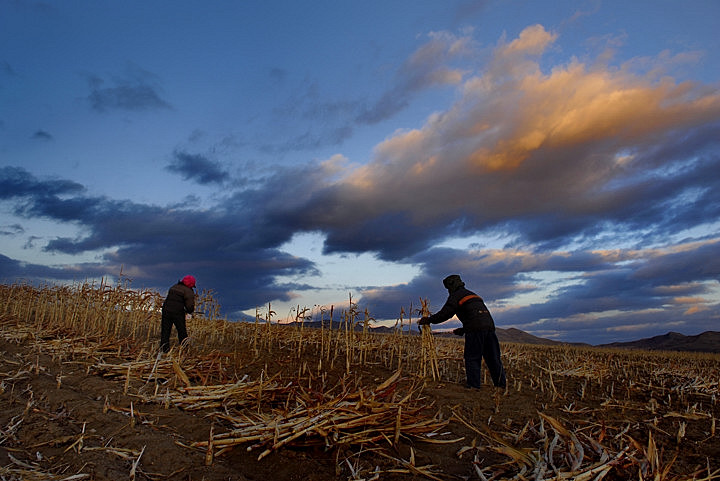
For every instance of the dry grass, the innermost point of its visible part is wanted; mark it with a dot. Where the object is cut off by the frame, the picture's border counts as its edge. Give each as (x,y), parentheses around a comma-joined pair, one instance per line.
(593,413)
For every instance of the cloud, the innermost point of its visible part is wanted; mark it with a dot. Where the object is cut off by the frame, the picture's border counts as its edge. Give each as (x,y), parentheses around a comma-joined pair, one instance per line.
(427,67)
(468,9)
(329,122)
(635,287)
(533,40)
(234,251)
(6,69)
(553,157)
(42,135)
(583,296)
(30,243)
(198,168)
(11,230)
(17,182)
(12,270)
(597,184)
(322,123)
(135,91)
(278,74)
(310,139)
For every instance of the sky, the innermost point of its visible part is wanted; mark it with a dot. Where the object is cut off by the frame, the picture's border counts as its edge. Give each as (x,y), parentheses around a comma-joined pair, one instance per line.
(562,156)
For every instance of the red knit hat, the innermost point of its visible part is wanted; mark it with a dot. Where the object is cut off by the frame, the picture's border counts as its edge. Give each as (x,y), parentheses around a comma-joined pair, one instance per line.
(189,281)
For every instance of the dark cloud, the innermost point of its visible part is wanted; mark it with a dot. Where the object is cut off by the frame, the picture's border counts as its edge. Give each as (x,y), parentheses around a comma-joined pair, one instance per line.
(30,244)
(640,290)
(233,252)
(11,230)
(197,168)
(397,221)
(393,235)
(278,74)
(136,91)
(692,263)
(384,108)
(7,69)
(604,189)
(604,303)
(234,249)
(17,182)
(465,11)
(519,154)
(42,135)
(599,294)
(497,274)
(12,271)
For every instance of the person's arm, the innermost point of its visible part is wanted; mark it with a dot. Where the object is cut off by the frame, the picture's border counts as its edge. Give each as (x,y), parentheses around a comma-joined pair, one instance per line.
(189,301)
(447,311)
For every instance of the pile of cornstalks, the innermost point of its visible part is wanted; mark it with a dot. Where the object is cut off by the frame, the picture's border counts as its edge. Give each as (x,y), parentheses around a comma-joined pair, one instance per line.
(598,413)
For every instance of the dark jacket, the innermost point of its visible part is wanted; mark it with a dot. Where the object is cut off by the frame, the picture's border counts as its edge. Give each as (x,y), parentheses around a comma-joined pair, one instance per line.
(469,308)
(180,300)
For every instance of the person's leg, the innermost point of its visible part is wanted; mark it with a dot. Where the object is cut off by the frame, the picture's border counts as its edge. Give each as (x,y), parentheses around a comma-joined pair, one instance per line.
(491,354)
(165,327)
(181,329)
(473,359)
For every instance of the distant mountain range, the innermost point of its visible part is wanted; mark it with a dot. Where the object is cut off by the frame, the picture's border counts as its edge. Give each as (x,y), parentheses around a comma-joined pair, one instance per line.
(514,335)
(708,341)
(521,337)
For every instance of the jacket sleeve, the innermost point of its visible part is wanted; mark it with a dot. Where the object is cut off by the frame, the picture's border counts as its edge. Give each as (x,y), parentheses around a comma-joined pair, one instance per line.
(447,311)
(189,301)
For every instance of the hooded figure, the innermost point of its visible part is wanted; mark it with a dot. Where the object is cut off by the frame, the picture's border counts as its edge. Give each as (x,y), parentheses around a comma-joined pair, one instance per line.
(453,282)
(180,301)
(481,342)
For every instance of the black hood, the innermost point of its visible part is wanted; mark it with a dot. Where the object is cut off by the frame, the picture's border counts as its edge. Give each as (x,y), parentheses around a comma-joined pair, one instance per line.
(453,282)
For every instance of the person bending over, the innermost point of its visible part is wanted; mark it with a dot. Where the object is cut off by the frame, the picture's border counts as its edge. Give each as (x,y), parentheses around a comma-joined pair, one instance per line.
(481,342)
(180,301)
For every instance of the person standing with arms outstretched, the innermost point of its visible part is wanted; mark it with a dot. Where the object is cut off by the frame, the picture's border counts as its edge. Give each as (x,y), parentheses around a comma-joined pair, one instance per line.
(481,342)
(180,301)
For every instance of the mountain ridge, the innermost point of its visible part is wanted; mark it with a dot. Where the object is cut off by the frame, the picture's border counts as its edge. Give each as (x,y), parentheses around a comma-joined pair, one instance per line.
(708,341)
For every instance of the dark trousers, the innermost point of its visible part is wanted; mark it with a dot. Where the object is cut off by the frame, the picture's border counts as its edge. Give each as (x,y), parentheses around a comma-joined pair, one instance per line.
(168,320)
(481,345)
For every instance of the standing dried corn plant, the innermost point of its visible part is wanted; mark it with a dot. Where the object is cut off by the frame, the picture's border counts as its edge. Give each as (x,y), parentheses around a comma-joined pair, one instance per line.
(429,351)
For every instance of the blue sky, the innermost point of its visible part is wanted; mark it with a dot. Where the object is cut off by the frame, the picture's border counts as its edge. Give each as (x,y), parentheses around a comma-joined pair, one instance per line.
(563,157)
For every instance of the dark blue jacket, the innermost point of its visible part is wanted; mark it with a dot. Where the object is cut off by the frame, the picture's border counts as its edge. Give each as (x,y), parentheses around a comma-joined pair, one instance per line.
(469,308)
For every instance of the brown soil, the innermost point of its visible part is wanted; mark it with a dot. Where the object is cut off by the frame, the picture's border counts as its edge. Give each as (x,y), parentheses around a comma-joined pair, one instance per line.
(63,418)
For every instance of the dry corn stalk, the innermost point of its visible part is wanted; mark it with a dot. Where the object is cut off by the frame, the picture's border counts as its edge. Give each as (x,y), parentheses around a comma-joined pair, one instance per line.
(350,419)
(429,351)
(677,392)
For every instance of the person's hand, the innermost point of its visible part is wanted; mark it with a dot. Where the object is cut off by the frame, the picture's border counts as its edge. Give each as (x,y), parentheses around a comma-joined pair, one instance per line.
(424,321)
(459,331)
(188,317)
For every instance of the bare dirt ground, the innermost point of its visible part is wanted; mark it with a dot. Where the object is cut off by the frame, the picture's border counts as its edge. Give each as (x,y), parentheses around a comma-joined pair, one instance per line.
(67,413)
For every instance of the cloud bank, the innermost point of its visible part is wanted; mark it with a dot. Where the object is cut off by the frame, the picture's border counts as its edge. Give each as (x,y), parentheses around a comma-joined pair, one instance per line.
(600,182)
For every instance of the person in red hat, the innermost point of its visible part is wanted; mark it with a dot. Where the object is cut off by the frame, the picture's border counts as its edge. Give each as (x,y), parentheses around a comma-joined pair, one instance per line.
(179,302)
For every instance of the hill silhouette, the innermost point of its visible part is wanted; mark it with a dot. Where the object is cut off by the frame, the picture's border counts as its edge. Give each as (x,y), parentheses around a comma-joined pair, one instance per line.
(708,341)
(504,335)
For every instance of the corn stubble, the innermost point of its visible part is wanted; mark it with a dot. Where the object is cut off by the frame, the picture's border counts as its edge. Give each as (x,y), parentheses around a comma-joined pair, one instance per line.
(601,414)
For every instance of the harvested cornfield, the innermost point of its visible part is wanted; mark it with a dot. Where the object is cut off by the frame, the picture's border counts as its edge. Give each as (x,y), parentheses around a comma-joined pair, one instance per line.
(85,396)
